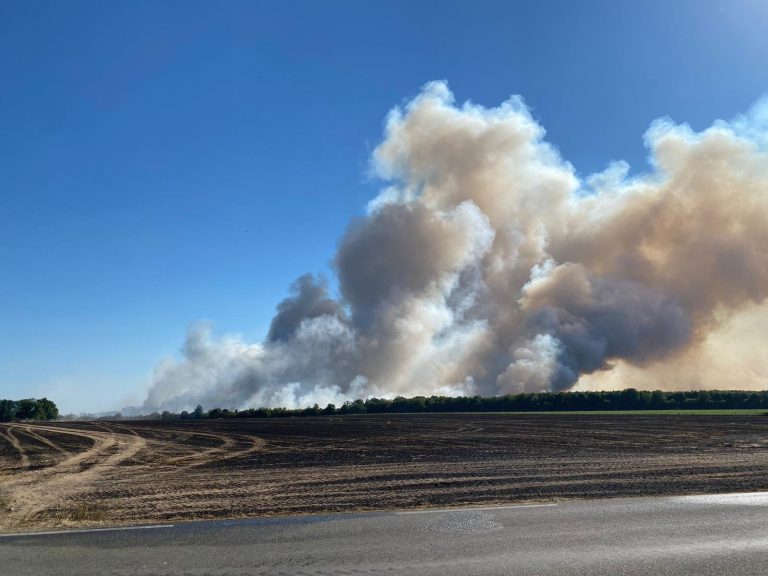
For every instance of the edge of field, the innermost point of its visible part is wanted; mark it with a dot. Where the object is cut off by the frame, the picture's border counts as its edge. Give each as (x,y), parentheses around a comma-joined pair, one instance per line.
(660,412)
(112,446)
(99,526)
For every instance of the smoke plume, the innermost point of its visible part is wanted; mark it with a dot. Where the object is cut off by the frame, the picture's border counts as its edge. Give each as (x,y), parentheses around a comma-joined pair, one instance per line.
(488,266)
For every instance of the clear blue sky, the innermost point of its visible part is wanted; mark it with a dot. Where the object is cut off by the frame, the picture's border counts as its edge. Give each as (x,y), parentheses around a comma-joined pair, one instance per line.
(167,162)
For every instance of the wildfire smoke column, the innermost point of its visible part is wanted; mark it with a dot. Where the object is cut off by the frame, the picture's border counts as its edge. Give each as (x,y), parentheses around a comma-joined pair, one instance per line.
(486,265)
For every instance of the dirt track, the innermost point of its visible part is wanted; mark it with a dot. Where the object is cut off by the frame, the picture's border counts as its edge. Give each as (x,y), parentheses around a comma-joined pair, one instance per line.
(129,472)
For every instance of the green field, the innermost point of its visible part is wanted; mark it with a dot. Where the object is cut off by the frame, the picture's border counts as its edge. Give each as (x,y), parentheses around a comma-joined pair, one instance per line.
(691,412)
(702,412)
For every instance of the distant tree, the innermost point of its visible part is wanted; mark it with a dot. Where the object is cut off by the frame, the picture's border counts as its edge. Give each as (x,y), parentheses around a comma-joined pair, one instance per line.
(8,410)
(659,400)
(27,409)
(199,413)
(754,400)
(46,410)
(629,399)
(215,413)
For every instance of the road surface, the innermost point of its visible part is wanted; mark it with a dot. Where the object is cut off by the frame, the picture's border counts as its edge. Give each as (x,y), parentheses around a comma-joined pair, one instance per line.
(692,535)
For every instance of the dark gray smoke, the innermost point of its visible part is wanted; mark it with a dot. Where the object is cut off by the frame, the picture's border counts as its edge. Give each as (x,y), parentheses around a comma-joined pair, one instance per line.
(487,266)
(596,319)
(310,300)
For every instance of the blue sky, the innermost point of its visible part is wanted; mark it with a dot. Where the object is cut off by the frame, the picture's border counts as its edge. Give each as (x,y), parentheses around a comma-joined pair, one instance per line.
(168,162)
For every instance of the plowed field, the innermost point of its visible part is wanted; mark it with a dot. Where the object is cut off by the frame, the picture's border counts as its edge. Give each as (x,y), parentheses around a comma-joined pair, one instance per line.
(91,473)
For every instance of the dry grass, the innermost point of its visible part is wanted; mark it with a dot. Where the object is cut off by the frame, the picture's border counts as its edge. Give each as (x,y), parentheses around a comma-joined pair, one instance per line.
(74,514)
(85,513)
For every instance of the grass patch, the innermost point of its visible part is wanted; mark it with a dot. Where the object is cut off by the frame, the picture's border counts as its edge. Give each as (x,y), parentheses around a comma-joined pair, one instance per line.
(702,412)
(84,513)
(676,412)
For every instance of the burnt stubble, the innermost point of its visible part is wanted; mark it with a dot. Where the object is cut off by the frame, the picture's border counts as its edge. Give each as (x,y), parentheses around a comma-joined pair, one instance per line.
(153,471)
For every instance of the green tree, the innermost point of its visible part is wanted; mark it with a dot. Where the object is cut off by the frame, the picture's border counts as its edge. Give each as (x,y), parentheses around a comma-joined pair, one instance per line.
(7,410)
(27,409)
(46,410)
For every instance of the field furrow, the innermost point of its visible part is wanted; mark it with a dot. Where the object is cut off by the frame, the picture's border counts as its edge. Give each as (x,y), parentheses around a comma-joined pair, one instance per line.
(92,473)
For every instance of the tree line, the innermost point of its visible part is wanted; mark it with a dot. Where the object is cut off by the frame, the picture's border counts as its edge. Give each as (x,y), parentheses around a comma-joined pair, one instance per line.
(28,409)
(629,399)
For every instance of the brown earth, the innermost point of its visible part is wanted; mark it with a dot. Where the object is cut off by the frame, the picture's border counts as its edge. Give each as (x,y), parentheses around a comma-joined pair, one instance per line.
(91,473)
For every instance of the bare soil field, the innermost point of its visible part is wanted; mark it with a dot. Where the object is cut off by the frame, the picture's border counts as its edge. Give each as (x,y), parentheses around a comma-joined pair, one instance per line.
(123,472)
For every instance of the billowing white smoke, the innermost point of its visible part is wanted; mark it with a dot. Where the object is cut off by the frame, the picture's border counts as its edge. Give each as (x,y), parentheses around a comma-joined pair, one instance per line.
(487,266)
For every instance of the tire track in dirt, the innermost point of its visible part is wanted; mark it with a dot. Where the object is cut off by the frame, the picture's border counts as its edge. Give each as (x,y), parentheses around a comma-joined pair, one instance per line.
(224,451)
(126,446)
(256,444)
(194,470)
(14,441)
(39,437)
(209,454)
(31,492)
(162,481)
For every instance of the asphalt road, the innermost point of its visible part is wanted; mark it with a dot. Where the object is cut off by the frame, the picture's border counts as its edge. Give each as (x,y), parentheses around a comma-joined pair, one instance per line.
(691,535)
